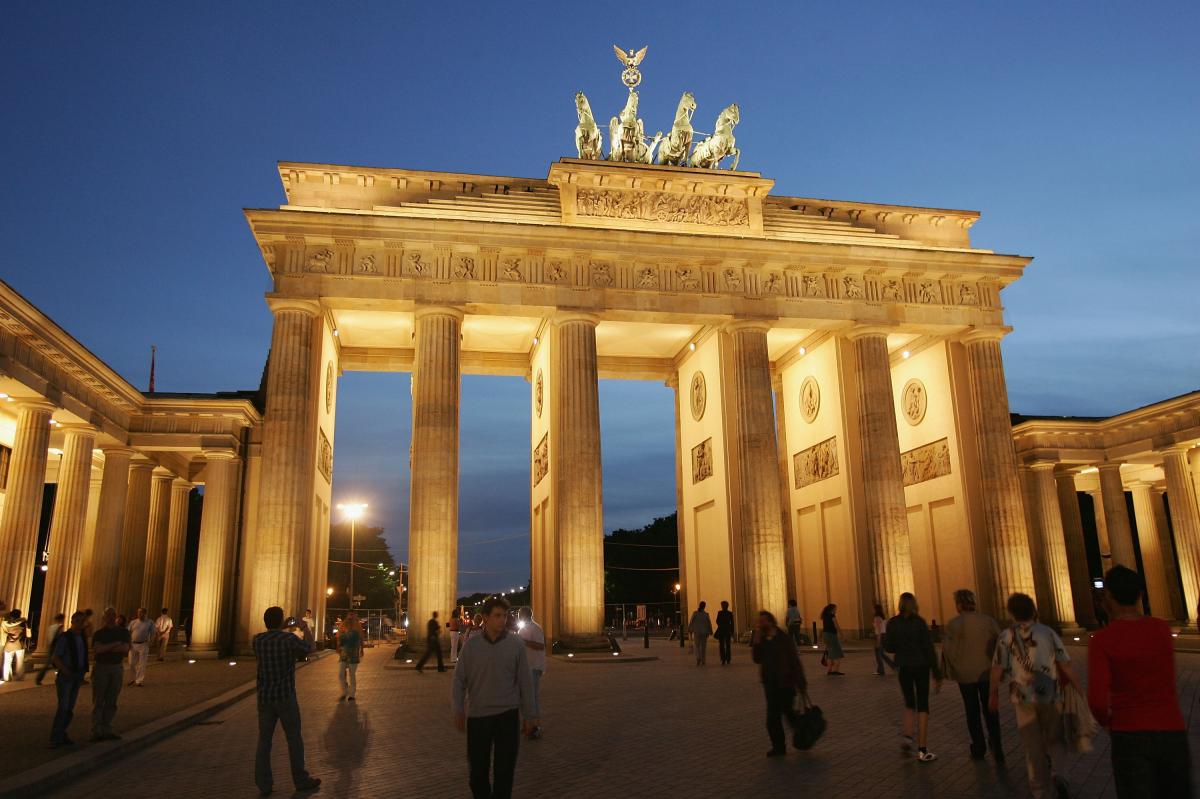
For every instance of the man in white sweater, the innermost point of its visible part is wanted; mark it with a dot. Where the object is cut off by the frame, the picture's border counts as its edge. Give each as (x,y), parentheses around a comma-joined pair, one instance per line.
(493,689)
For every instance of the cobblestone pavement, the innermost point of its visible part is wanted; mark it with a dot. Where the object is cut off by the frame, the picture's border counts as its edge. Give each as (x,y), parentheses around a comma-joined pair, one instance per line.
(27,710)
(652,729)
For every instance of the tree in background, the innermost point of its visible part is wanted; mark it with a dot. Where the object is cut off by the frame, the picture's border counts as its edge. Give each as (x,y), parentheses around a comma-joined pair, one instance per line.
(642,565)
(377,576)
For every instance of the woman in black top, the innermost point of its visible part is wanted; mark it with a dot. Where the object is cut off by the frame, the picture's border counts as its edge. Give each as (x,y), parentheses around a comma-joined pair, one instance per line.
(908,638)
(831,634)
(724,634)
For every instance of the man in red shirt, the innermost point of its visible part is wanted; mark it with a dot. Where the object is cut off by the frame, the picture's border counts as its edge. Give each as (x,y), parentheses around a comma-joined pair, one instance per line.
(1131,691)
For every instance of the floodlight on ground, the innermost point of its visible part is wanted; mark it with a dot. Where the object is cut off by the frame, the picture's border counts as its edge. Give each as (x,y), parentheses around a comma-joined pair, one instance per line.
(677,586)
(329,591)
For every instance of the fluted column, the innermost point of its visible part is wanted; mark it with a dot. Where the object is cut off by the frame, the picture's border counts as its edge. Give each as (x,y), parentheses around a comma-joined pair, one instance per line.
(101,573)
(433,498)
(1149,542)
(763,559)
(1004,523)
(1037,554)
(1116,515)
(574,392)
(216,534)
(1167,547)
(176,543)
(1106,560)
(285,492)
(133,538)
(156,540)
(1077,565)
(23,503)
(1060,602)
(65,545)
(1185,519)
(883,480)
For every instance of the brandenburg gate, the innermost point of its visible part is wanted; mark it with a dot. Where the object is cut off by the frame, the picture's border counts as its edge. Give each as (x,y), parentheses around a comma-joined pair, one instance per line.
(842,423)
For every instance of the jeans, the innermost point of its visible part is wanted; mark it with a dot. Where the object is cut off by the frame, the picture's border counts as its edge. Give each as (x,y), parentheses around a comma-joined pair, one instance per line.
(1041,729)
(501,732)
(138,655)
(68,692)
(700,647)
(348,677)
(537,692)
(14,665)
(881,660)
(454,635)
(780,705)
(1148,765)
(975,703)
(287,713)
(432,646)
(106,687)
(725,642)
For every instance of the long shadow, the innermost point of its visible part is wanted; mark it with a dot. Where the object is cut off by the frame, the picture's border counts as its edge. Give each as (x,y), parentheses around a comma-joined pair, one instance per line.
(346,740)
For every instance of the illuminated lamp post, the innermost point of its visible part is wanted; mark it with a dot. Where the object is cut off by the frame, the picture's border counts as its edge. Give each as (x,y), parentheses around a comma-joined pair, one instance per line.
(354,512)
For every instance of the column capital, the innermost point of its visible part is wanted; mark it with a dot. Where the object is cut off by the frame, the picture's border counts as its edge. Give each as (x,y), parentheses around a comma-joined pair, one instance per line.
(1042,465)
(118,451)
(975,335)
(36,404)
(279,304)
(1181,448)
(1109,466)
(738,325)
(863,331)
(422,311)
(179,484)
(79,429)
(162,473)
(141,463)
(567,316)
(219,455)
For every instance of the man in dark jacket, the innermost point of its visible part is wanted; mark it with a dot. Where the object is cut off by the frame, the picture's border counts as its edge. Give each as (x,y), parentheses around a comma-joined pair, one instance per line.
(724,634)
(433,643)
(70,657)
(782,675)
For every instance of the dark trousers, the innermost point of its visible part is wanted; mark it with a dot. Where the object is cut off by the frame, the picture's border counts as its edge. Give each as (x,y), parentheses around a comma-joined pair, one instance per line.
(725,642)
(781,704)
(68,692)
(501,732)
(975,703)
(794,630)
(287,713)
(433,646)
(1151,764)
(881,659)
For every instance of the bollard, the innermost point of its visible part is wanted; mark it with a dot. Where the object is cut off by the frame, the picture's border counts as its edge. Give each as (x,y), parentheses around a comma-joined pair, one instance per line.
(646,636)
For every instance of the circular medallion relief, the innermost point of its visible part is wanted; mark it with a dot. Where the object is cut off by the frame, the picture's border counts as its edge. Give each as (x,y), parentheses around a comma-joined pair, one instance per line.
(538,394)
(810,399)
(699,396)
(329,388)
(913,401)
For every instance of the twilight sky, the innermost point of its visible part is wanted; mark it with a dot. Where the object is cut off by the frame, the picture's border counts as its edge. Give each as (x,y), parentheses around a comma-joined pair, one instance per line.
(133,134)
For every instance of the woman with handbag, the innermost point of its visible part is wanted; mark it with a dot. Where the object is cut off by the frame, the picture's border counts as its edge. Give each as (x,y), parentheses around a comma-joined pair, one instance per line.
(781,675)
(831,635)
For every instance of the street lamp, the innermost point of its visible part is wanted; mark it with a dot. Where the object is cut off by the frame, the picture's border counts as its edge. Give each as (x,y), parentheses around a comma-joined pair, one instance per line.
(354,512)
(679,611)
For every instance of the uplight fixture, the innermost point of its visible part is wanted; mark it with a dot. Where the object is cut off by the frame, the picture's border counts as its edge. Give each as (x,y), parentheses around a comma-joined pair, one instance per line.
(803,351)
(905,355)
(191,660)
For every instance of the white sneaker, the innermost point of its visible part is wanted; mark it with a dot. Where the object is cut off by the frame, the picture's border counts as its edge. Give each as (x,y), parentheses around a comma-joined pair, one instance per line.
(926,756)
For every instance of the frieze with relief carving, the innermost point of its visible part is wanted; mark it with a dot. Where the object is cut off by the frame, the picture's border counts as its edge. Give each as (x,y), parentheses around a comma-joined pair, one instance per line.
(324,456)
(541,459)
(967,295)
(818,462)
(689,278)
(647,278)
(926,462)
(662,207)
(464,267)
(813,286)
(891,290)
(366,265)
(913,401)
(702,461)
(601,274)
(414,263)
(556,272)
(810,399)
(699,396)
(512,269)
(852,287)
(320,261)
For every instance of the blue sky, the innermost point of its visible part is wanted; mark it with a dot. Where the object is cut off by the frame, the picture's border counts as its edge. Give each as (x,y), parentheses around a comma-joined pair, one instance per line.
(133,134)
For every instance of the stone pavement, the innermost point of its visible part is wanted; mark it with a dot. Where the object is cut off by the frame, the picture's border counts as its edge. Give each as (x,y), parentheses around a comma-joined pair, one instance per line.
(650,729)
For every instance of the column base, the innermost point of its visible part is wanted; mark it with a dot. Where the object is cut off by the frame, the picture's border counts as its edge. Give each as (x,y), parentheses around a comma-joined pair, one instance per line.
(201,652)
(591,643)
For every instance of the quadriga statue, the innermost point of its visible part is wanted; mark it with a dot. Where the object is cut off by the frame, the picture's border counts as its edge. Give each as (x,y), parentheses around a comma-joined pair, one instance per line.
(708,153)
(674,149)
(587,132)
(627,135)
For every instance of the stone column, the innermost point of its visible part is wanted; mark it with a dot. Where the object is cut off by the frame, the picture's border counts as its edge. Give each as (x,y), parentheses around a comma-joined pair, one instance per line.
(1101,530)
(65,545)
(285,491)
(578,511)
(102,572)
(1059,603)
(433,498)
(156,541)
(883,480)
(1167,547)
(216,536)
(1116,515)
(1072,522)
(1042,581)
(1004,523)
(764,562)
(1185,518)
(1153,566)
(176,543)
(23,503)
(133,538)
